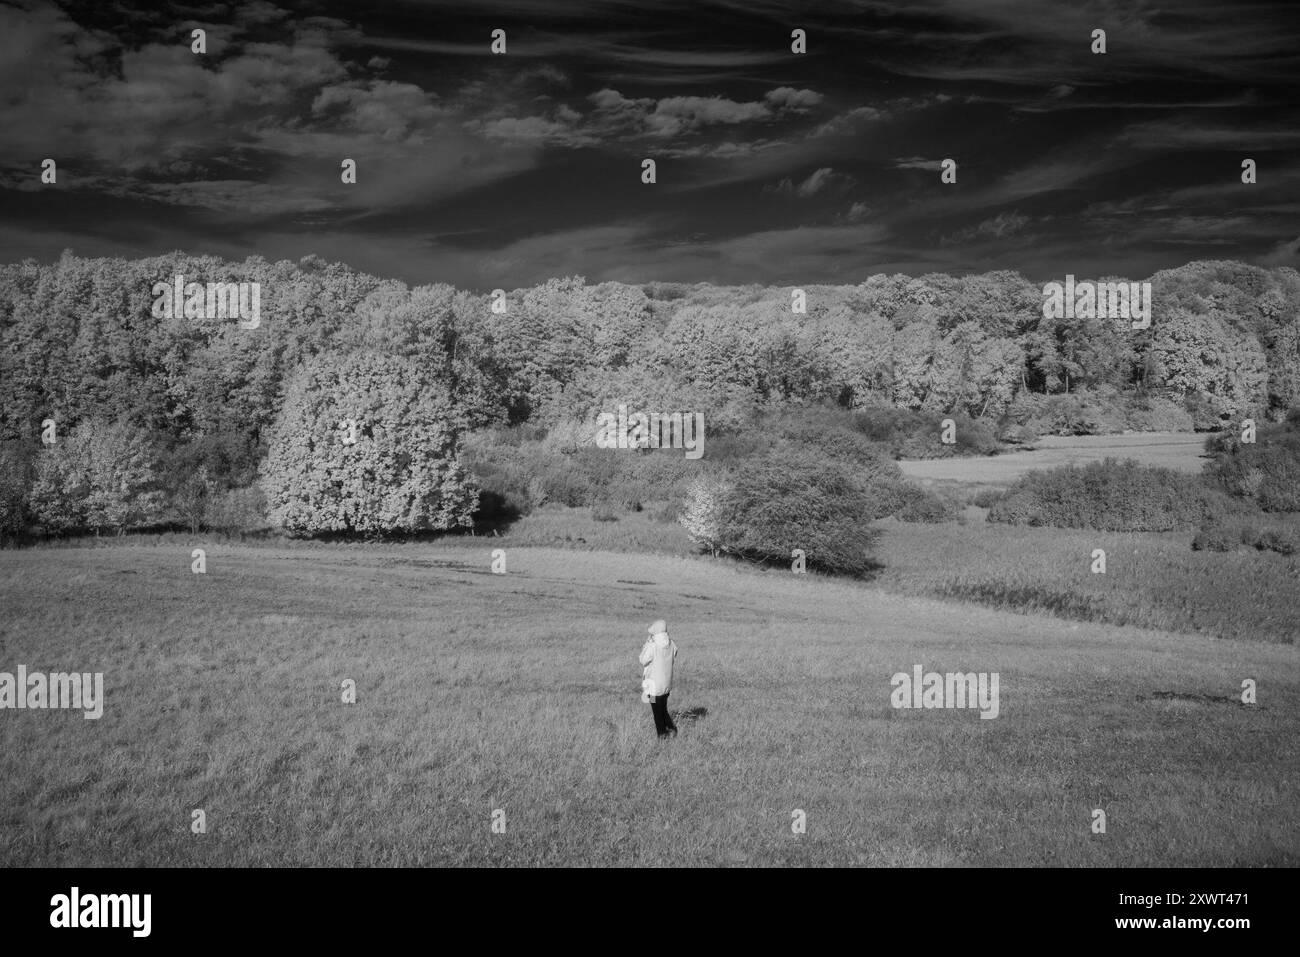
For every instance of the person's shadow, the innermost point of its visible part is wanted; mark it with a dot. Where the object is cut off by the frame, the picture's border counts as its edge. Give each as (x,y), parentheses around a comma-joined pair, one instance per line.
(689,714)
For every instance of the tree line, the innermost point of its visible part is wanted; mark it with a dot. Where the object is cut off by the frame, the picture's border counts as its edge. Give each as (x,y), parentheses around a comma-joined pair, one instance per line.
(198,421)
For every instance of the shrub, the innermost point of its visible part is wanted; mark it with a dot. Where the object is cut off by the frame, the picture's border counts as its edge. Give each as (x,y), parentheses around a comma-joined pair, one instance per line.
(987,497)
(536,493)
(1216,537)
(519,470)
(1158,414)
(507,469)
(703,511)
(237,511)
(1280,535)
(869,460)
(1267,471)
(1283,541)
(604,512)
(1204,414)
(228,457)
(1013,433)
(778,504)
(565,483)
(1075,414)
(974,437)
(1111,496)
(921,505)
(916,435)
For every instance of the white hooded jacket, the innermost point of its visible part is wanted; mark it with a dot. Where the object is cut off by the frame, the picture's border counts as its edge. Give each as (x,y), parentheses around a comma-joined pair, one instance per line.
(657,656)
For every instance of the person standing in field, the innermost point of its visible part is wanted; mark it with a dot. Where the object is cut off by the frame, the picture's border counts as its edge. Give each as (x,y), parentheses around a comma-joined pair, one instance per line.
(658,655)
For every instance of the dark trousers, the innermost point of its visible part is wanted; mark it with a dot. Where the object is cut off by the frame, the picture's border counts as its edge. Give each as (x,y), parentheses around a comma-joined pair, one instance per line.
(663,721)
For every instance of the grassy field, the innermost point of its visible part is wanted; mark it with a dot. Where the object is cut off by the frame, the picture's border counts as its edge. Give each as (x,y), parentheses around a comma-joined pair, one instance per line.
(1181,451)
(1152,580)
(518,692)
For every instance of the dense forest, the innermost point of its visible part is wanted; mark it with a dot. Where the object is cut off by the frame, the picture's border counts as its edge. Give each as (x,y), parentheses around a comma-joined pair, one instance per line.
(204,422)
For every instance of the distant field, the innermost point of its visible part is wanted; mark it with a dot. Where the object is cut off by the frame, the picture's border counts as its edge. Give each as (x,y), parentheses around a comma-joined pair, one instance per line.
(1152,579)
(518,692)
(1174,450)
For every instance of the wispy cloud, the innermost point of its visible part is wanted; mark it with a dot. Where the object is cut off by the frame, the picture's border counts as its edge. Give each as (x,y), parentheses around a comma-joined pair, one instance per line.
(821,181)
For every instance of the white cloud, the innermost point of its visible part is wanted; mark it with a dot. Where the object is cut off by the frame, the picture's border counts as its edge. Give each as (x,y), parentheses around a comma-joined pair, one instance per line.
(788,98)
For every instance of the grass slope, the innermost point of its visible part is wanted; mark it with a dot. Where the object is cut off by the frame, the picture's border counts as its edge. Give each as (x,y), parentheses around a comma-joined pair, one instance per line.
(519,692)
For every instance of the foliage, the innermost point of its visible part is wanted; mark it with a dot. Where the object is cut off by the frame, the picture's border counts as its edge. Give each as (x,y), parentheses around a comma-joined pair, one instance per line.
(101,475)
(1111,496)
(81,342)
(401,474)
(777,504)
(1266,471)
(1158,414)
(1276,534)
(17,464)
(237,510)
(703,512)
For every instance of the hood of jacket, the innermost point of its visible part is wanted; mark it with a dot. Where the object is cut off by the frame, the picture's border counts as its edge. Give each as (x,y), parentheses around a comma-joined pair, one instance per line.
(661,639)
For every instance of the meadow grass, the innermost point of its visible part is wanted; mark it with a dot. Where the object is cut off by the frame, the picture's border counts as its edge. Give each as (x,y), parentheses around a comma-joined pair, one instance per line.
(1152,579)
(519,692)
(562,527)
(1181,451)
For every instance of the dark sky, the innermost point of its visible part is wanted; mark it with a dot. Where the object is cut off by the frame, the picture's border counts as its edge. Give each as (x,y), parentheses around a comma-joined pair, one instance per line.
(489,171)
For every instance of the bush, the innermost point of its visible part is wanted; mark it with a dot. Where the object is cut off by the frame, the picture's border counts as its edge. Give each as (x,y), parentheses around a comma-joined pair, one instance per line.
(1204,414)
(1266,472)
(869,460)
(987,498)
(703,512)
(229,458)
(921,505)
(1283,541)
(1073,414)
(604,512)
(1277,534)
(1111,496)
(507,469)
(519,469)
(1157,414)
(916,435)
(1217,537)
(974,437)
(778,504)
(829,436)
(237,511)
(1013,433)
(565,483)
